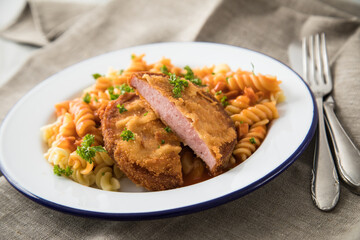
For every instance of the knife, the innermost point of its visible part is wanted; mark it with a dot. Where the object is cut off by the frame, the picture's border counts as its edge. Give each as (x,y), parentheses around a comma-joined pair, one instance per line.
(347,156)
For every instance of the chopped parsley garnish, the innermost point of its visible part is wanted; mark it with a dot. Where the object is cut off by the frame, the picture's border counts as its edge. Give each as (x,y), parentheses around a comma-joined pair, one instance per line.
(197,81)
(168,129)
(146,114)
(213,73)
(227,79)
(125,88)
(162,141)
(164,70)
(121,108)
(96,100)
(179,85)
(86,151)
(96,75)
(191,77)
(121,71)
(59,171)
(87,98)
(113,96)
(253,68)
(158,146)
(132,56)
(218,93)
(224,101)
(127,135)
(252,140)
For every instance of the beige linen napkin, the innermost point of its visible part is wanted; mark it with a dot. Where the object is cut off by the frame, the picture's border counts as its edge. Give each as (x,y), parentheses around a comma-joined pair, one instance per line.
(282,209)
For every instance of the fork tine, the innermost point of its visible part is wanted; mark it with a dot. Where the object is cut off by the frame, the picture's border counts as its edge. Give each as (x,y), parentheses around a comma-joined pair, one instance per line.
(305,60)
(327,74)
(319,72)
(312,79)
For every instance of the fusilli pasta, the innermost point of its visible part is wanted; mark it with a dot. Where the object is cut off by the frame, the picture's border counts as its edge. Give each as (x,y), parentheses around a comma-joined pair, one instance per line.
(249,99)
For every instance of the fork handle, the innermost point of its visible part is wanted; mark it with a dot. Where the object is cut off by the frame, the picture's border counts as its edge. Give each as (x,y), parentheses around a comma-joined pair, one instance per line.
(325,186)
(347,156)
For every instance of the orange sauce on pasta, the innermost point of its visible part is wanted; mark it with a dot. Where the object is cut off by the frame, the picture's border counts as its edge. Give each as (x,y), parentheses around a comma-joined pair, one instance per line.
(243,94)
(190,180)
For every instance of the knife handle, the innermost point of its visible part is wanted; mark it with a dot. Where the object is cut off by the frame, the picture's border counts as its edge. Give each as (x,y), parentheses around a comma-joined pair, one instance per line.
(347,156)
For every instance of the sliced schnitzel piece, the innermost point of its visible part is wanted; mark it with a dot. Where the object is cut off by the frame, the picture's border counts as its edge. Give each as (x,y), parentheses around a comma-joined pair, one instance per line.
(196,117)
(150,157)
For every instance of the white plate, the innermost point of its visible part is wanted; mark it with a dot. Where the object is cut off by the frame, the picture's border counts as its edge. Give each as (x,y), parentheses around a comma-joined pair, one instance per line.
(21,146)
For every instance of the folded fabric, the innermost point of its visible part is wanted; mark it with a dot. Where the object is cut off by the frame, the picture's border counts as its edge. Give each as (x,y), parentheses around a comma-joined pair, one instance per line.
(43,21)
(282,209)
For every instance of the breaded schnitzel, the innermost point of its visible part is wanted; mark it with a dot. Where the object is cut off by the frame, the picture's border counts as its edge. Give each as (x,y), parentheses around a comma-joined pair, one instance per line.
(139,143)
(195,116)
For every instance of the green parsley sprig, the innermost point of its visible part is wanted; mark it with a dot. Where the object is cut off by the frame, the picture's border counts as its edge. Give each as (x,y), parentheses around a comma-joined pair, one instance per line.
(96,75)
(218,93)
(113,96)
(86,151)
(224,101)
(253,68)
(252,140)
(127,135)
(191,77)
(87,98)
(121,108)
(124,88)
(179,85)
(60,171)
(164,70)
(168,129)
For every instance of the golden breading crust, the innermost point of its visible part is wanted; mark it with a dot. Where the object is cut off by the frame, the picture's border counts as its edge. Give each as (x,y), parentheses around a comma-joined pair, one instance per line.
(152,159)
(196,117)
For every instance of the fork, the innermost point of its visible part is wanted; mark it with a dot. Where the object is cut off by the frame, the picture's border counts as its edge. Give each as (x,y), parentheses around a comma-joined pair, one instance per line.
(325,188)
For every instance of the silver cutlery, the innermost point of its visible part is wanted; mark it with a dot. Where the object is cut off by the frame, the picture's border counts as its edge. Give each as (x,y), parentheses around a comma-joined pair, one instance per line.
(347,156)
(325,186)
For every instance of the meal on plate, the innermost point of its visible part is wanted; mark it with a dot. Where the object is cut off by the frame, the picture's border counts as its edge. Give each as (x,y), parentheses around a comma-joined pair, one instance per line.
(160,125)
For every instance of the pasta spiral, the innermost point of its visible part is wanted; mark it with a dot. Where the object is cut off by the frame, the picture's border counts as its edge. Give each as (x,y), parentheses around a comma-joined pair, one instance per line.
(104,178)
(84,179)
(247,145)
(102,83)
(62,108)
(58,156)
(103,157)
(67,128)
(50,132)
(257,113)
(137,64)
(77,163)
(85,120)
(249,99)
(242,79)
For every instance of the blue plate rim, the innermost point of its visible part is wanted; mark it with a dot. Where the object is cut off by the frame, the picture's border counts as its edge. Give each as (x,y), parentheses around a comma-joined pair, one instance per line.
(182,210)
